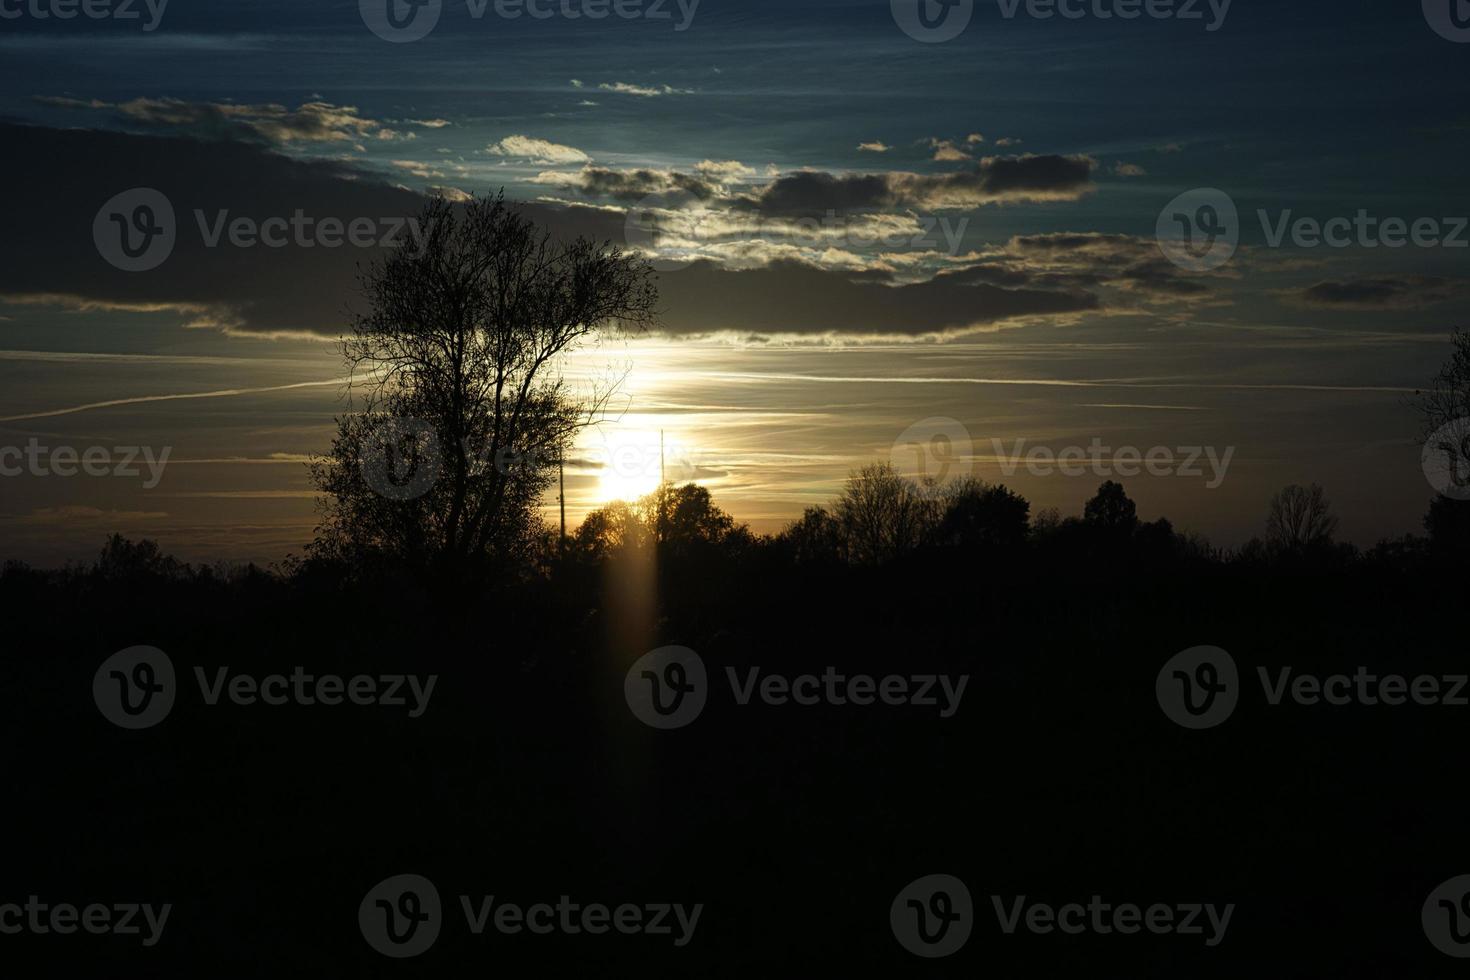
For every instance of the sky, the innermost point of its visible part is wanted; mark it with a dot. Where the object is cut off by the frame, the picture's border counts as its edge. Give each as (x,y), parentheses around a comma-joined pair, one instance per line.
(947,247)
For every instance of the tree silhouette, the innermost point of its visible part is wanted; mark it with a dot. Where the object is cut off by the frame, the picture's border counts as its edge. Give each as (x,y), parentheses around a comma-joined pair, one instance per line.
(882,514)
(980,515)
(1300,519)
(458,361)
(1447,399)
(1111,509)
(1444,409)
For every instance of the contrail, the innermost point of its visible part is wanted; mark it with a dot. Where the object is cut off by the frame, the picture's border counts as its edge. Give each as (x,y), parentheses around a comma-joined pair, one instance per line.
(1044,382)
(222,393)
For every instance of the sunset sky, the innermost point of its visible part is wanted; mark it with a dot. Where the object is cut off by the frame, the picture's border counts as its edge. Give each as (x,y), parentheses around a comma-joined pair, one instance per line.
(1016,174)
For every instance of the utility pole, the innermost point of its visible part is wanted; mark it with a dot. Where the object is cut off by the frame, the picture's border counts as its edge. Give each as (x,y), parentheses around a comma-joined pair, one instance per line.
(561,475)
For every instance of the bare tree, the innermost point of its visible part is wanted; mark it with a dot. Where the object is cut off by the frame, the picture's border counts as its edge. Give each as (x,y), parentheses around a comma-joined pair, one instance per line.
(1447,400)
(883,514)
(1300,518)
(458,362)
(1445,412)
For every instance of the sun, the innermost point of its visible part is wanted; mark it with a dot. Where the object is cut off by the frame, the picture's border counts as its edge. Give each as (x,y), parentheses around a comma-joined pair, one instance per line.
(631,464)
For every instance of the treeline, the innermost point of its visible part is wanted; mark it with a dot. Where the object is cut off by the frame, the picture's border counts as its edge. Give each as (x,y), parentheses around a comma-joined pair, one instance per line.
(880,518)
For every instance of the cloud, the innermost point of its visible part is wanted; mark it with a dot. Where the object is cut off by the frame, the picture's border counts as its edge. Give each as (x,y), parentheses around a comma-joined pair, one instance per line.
(69,515)
(1080,260)
(1121,169)
(876,146)
(643,91)
(538,150)
(667,187)
(1007,141)
(794,298)
(430,123)
(70,173)
(415,167)
(992,180)
(1379,293)
(311,122)
(723,169)
(945,151)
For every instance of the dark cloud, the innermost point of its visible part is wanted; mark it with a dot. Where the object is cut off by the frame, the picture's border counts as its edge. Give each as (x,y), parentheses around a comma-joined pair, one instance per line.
(1381,293)
(311,122)
(665,187)
(1085,260)
(795,298)
(67,175)
(992,180)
